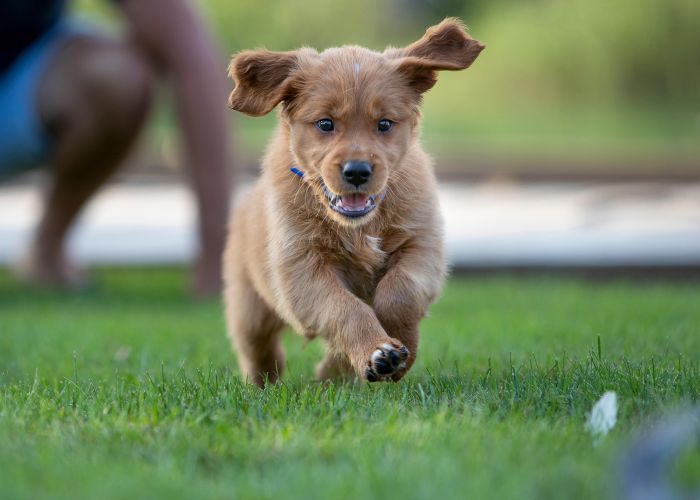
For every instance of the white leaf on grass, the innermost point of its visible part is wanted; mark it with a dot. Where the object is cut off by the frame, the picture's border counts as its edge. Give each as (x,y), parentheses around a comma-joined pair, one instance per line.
(603,415)
(122,354)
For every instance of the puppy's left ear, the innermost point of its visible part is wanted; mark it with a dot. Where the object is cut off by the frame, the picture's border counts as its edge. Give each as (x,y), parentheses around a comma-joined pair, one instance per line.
(262,78)
(446,46)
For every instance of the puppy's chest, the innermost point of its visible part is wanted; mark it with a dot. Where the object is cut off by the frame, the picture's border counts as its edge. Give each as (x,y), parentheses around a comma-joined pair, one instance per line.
(362,260)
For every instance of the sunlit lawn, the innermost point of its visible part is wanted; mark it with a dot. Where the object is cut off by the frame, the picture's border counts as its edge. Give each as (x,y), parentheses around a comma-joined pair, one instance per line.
(131,390)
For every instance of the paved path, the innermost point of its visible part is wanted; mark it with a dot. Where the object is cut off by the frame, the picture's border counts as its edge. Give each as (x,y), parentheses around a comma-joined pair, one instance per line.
(487,224)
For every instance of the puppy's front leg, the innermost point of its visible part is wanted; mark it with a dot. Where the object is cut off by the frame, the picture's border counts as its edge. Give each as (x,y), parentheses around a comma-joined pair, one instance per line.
(402,297)
(320,303)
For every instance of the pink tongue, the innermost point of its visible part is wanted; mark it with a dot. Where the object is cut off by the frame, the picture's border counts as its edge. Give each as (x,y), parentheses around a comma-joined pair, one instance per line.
(354,201)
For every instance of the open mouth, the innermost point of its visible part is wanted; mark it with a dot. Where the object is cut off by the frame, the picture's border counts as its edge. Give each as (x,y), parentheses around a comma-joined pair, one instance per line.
(350,204)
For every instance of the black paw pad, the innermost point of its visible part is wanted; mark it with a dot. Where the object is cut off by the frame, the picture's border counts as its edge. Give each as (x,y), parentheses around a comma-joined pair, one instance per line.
(371,376)
(386,361)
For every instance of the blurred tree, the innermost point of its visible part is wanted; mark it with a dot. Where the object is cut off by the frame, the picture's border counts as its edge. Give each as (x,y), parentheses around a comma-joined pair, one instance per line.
(561,68)
(559,49)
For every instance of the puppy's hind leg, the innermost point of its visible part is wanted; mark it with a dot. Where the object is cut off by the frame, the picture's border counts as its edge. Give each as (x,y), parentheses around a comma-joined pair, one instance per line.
(334,366)
(254,330)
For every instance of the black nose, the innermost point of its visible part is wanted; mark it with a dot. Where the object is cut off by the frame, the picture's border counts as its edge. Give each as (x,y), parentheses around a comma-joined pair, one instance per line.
(357,172)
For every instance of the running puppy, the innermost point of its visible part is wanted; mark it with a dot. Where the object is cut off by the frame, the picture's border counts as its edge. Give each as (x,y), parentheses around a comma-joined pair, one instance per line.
(341,237)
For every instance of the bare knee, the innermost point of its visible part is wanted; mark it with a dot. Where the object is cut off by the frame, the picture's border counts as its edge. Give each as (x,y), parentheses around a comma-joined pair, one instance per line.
(116,82)
(96,90)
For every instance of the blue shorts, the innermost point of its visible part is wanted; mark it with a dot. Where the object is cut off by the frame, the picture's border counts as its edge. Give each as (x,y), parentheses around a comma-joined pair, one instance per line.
(24,143)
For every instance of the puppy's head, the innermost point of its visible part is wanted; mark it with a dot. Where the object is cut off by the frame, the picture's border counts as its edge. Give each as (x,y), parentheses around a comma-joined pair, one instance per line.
(351,113)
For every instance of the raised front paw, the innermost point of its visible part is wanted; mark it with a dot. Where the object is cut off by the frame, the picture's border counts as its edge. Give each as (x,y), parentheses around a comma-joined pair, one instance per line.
(386,361)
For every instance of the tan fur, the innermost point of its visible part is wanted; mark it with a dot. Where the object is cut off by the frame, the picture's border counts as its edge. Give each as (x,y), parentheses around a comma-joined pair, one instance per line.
(360,284)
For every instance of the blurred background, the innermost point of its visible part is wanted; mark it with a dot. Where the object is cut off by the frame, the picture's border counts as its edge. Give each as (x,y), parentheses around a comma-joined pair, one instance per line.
(572,144)
(573,141)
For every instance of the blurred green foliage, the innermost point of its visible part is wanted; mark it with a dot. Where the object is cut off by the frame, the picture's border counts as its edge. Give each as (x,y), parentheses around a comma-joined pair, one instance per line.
(557,75)
(541,51)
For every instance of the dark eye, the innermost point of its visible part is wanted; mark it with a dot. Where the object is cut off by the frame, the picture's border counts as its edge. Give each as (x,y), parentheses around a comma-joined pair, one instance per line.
(384,125)
(325,125)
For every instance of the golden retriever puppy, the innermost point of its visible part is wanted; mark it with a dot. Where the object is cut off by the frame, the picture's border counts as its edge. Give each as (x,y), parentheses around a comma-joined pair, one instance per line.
(341,237)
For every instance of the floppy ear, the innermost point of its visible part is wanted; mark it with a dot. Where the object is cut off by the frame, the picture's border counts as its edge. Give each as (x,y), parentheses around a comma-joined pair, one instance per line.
(443,47)
(262,80)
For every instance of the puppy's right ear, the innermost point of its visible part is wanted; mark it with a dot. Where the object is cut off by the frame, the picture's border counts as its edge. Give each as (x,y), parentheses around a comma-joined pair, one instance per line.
(262,80)
(446,46)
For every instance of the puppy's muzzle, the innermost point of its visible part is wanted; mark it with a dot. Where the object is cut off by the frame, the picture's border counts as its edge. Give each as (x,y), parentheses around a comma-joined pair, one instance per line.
(357,172)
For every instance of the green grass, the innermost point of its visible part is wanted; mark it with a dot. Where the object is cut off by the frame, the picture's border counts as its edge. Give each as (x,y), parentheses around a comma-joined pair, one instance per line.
(130,390)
